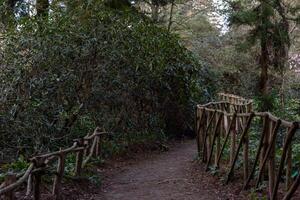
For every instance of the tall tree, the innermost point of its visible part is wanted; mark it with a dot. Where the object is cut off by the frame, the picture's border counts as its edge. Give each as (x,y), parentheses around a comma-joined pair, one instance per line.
(269,24)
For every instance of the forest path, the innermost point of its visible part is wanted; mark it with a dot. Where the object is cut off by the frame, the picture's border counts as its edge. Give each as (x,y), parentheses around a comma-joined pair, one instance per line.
(172,175)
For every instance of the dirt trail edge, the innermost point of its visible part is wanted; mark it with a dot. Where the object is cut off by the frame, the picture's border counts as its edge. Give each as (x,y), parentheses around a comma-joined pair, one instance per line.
(166,176)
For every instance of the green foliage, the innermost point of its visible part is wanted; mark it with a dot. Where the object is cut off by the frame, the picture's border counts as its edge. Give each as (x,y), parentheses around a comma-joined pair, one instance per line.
(18,166)
(80,68)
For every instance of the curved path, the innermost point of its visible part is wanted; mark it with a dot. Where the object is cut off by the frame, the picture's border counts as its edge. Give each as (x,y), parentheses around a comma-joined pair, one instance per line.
(167,176)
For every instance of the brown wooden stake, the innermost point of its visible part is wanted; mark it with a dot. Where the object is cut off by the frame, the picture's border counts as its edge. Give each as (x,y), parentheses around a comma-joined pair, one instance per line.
(29,185)
(228,130)
(201,126)
(97,150)
(268,155)
(256,159)
(271,164)
(197,125)
(246,156)
(233,142)
(287,143)
(288,167)
(206,141)
(264,148)
(57,188)
(218,137)
(10,179)
(37,185)
(239,147)
(215,135)
(79,159)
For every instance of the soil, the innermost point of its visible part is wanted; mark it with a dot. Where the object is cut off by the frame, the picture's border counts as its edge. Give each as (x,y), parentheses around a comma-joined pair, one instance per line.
(171,175)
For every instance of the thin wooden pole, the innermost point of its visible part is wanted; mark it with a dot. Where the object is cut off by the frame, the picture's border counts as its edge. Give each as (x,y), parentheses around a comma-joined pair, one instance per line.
(246,156)
(228,130)
(10,179)
(233,141)
(268,155)
(282,160)
(218,137)
(256,157)
(37,185)
(239,146)
(58,178)
(288,167)
(271,164)
(205,141)
(215,134)
(79,158)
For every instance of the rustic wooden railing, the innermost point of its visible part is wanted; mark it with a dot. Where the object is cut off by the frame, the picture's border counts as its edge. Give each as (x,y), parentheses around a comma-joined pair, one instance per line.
(232,120)
(84,148)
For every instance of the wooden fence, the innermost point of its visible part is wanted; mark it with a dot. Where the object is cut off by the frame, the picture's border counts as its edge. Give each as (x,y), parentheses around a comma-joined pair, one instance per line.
(85,148)
(231,123)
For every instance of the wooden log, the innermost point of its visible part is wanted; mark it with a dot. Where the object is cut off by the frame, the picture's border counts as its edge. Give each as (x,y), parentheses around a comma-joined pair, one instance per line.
(218,137)
(37,185)
(197,125)
(245,147)
(91,152)
(228,130)
(233,141)
(246,156)
(79,159)
(20,181)
(268,154)
(215,134)
(97,151)
(287,143)
(201,126)
(9,180)
(206,141)
(57,184)
(249,120)
(258,153)
(288,166)
(37,175)
(271,164)
(29,185)
(264,148)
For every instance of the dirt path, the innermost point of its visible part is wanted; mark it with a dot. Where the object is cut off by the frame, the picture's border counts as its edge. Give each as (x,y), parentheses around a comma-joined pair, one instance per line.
(173,175)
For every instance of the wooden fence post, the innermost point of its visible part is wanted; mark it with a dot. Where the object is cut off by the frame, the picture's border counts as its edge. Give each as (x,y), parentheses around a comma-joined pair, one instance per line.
(97,151)
(287,143)
(215,135)
(37,184)
(271,164)
(9,179)
(218,137)
(288,166)
(249,120)
(79,158)
(57,188)
(39,164)
(233,140)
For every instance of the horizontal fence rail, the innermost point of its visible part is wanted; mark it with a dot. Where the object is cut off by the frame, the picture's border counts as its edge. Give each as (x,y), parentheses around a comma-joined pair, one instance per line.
(232,123)
(85,148)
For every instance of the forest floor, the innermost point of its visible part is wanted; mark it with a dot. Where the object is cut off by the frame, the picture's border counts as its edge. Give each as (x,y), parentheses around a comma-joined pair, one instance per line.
(171,175)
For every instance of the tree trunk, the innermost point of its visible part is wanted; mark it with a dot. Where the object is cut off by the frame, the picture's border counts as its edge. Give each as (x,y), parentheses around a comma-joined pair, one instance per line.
(264,77)
(171,16)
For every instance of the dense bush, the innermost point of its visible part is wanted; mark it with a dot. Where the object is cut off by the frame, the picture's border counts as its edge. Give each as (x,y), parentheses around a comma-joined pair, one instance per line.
(92,65)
